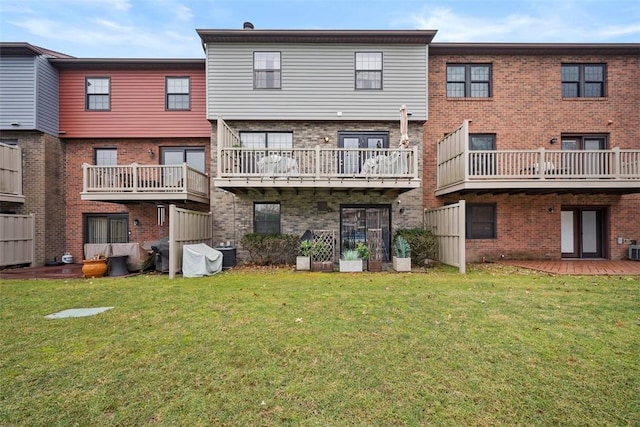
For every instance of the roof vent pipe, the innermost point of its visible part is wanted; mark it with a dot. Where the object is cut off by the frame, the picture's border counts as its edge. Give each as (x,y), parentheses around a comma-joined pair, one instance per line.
(247,26)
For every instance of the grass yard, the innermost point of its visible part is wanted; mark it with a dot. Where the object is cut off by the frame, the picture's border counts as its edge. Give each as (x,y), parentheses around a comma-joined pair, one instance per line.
(274,347)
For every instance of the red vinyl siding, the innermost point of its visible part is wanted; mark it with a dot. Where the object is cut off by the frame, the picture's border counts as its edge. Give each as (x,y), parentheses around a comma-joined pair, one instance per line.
(137,106)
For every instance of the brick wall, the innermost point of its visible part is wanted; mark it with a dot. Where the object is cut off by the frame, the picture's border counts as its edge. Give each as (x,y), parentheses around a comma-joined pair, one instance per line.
(129,151)
(525,112)
(44,191)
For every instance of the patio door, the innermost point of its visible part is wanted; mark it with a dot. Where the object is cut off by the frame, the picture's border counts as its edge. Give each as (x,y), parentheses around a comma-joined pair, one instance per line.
(192,156)
(582,232)
(588,163)
(350,161)
(356,220)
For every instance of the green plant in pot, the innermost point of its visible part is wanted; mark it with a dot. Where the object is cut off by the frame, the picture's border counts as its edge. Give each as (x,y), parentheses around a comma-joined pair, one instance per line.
(402,254)
(303,260)
(350,261)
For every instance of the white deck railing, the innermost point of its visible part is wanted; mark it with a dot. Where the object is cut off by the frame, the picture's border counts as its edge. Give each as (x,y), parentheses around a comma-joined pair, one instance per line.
(457,164)
(145,179)
(10,172)
(318,163)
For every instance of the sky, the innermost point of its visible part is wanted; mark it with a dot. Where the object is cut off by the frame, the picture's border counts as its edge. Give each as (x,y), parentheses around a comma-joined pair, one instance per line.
(167,28)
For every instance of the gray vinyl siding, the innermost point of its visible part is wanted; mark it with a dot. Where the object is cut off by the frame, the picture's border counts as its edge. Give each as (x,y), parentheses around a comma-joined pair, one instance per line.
(318,81)
(28,94)
(17,92)
(46,97)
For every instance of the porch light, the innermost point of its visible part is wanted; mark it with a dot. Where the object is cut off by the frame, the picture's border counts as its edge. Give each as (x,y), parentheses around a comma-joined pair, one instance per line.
(553,140)
(151,153)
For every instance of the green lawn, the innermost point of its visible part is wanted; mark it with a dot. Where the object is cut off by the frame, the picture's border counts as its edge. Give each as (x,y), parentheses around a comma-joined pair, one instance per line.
(272,347)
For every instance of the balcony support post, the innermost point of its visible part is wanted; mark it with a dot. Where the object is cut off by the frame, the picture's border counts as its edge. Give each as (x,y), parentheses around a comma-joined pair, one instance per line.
(541,163)
(85,177)
(318,161)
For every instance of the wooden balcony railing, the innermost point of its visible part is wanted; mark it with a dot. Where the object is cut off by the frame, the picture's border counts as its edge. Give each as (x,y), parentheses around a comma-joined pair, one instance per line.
(460,168)
(11,174)
(145,182)
(318,163)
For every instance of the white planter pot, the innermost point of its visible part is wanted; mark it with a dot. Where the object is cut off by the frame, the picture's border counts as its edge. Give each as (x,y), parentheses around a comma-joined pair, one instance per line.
(303,263)
(401,264)
(350,266)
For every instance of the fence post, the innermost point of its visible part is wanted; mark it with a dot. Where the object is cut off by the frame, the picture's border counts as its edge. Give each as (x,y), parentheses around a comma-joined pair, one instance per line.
(173,245)
(462,237)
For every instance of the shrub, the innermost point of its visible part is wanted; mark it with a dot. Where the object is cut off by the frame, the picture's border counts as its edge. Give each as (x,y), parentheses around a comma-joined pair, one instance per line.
(423,243)
(269,249)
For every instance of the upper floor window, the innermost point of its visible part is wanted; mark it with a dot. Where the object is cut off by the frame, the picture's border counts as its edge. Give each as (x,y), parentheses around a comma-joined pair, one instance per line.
(274,140)
(98,93)
(583,80)
(266,70)
(482,163)
(106,156)
(368,70)
(192,156)
(177,93)
(468,80)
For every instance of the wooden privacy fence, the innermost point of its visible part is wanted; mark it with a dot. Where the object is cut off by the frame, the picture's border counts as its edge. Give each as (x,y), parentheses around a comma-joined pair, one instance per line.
(17,233)
(186,227)
(448,225)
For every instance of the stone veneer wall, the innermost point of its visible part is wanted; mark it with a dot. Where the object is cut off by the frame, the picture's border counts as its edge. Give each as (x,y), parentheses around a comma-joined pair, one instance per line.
(233,215)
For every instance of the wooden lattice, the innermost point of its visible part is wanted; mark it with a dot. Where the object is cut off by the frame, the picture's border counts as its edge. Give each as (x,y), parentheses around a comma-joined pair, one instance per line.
(323,245)
(374,240)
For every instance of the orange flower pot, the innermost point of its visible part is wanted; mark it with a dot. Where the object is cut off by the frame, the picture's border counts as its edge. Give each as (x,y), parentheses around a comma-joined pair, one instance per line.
(94,267)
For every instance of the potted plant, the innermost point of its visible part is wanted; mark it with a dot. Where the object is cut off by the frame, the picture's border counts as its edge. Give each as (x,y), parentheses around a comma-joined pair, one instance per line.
(363,253)
(350,261)
(401,254)
(303,260)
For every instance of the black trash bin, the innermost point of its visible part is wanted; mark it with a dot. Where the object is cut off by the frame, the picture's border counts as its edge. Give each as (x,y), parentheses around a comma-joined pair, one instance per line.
(228,256)
(161,248)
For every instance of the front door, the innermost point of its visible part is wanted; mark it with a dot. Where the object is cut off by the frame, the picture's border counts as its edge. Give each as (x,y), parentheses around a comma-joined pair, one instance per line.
(582,232)
(351,160)
(357,220)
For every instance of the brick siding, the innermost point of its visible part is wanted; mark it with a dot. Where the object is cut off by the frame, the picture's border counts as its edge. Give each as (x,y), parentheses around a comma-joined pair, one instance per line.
(525,112)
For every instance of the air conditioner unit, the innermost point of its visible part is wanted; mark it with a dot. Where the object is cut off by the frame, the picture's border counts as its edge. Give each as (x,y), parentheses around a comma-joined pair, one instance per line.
(634,252)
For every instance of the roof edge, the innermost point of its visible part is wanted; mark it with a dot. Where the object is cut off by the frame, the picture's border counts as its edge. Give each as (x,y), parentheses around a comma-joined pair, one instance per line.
(535,48)
(317,36)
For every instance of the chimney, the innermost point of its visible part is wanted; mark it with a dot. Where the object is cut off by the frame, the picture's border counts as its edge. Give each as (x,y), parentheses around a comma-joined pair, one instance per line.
(247,26)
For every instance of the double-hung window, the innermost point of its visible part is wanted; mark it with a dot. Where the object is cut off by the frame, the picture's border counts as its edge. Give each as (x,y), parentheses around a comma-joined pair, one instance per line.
(368,70)
(98,93)
(583,80)
(270,140)
(106,156)
(178,93)
(266,218)
(266,70)
(468,80)
(481,221)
